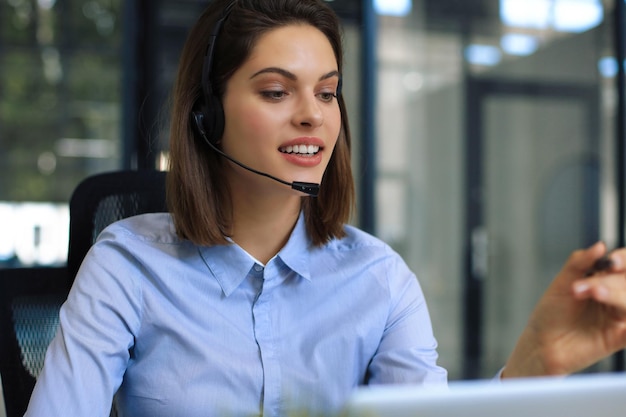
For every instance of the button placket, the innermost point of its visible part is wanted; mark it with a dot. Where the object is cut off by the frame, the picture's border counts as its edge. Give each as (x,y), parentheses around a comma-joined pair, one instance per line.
(263,333)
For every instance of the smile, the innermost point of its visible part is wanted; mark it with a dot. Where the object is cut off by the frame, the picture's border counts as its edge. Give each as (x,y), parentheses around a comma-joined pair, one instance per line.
(300,149)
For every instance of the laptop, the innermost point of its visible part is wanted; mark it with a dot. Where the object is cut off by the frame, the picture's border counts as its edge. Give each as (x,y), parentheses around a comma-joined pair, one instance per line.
(581,395)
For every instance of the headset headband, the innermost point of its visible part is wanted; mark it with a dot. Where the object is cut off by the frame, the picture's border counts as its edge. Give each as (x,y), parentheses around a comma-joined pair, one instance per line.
(207,87)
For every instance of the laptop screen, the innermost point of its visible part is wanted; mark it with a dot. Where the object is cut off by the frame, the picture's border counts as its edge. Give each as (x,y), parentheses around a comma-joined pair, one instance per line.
(582,395)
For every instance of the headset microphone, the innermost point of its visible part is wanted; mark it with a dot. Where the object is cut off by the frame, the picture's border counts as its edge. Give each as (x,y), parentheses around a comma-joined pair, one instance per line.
(309,188)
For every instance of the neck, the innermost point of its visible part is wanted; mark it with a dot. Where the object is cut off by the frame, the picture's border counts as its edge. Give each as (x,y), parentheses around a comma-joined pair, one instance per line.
(262,224)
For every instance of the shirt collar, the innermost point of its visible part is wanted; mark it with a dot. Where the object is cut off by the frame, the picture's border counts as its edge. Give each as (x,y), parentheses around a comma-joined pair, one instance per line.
(230,264)
(296,254)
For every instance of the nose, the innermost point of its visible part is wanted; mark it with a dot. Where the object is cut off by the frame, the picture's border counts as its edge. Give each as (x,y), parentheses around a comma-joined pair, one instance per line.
(308,112)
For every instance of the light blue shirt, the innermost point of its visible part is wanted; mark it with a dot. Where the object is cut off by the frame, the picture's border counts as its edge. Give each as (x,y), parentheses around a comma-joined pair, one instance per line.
(183,330)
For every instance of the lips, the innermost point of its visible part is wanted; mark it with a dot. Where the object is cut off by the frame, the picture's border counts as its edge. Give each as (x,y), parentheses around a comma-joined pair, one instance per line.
(303,151)
(303,146)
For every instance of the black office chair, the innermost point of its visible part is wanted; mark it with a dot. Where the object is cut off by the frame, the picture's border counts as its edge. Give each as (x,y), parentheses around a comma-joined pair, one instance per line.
(30,298)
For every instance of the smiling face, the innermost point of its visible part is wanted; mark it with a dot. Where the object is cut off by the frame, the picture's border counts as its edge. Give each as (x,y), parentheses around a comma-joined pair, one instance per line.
(281,113)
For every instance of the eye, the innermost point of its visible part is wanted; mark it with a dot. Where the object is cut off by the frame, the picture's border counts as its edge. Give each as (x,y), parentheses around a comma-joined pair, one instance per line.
(326,97)
(273,95)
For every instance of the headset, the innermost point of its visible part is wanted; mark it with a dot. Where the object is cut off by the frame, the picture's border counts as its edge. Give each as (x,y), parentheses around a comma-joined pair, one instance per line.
(211,107)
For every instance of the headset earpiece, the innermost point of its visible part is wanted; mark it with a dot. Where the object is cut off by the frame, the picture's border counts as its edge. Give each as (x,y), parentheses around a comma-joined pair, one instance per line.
(212,119)
(197,118)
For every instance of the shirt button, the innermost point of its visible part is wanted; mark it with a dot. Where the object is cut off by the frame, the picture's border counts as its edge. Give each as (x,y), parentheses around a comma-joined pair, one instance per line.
(258,268)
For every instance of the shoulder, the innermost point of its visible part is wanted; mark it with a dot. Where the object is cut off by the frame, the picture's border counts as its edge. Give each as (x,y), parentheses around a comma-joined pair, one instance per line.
(360,247)
(146,238)
(139,246)
(357,240)
(368,261)
(156,228)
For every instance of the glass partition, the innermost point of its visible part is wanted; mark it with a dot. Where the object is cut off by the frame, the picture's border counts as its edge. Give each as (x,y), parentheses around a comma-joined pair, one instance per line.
(495,157)
(60,113)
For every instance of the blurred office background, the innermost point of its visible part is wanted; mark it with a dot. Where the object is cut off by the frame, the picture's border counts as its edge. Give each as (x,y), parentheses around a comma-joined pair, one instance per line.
(488,136)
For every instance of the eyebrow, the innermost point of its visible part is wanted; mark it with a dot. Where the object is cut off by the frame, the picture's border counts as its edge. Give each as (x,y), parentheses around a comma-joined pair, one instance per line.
(290,75)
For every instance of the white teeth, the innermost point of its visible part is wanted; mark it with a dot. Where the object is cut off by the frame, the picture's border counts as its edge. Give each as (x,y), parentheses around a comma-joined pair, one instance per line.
(301,149)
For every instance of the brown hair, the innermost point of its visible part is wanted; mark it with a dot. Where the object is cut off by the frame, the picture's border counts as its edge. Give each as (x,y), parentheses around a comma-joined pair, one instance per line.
(197,196)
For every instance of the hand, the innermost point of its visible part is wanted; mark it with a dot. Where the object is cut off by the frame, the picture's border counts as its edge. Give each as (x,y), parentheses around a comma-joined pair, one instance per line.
(578,321)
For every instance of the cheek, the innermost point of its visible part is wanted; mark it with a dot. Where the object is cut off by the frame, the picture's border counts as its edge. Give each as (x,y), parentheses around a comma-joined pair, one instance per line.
(252,121)
(335,125)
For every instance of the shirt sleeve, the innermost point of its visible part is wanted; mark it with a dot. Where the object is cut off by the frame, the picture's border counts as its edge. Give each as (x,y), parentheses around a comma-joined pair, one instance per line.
(407,353)
(85,362)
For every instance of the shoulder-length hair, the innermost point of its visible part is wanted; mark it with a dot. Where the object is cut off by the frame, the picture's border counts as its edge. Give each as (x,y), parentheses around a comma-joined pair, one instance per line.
(197,195)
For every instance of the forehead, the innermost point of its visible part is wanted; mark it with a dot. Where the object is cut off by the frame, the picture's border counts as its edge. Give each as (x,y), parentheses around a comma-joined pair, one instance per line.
(292,47)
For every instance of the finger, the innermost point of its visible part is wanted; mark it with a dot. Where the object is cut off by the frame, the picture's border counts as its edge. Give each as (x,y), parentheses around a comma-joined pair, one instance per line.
(609,290)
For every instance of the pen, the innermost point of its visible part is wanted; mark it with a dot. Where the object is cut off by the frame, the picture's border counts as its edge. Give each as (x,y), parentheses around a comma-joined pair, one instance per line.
(602,264)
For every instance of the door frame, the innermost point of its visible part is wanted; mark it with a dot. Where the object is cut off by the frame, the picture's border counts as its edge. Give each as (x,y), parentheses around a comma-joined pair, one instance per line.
(477,91)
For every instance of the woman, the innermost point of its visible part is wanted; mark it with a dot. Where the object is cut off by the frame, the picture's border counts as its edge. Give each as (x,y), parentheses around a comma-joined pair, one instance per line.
(253,297)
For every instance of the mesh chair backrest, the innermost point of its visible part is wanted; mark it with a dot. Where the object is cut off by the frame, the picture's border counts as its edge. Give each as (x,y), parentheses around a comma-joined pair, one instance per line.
(105,198)
(113,208)
(30,299)
(35,320)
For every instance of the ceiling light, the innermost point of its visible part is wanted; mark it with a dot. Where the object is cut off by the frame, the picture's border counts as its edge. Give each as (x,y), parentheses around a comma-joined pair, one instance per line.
(608,67)
(393,7)
(486,55)
(518,44)
(577,15)
(525,13)
(562,15)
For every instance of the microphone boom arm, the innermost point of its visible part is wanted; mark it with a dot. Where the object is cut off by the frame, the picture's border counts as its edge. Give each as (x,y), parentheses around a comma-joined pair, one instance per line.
(309,188)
